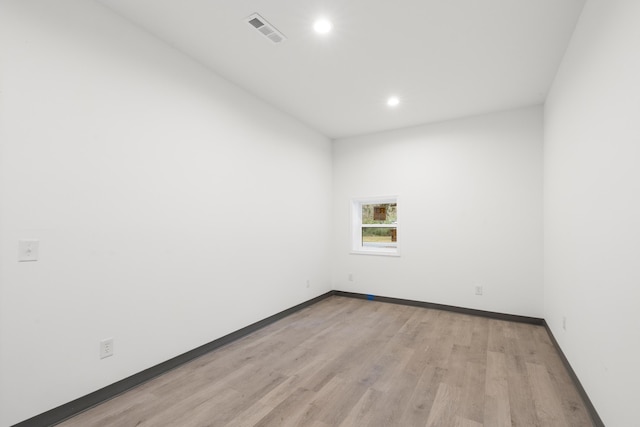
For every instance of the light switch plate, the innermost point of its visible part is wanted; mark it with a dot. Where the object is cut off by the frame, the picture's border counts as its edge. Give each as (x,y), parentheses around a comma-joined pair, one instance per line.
(28,250)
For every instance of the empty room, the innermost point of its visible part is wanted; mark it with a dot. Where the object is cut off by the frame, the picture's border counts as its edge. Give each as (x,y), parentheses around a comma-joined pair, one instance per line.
(319,213)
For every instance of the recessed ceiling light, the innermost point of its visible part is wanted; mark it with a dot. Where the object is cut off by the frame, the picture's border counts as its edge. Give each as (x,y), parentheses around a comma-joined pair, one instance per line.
(322,26)
(393,101)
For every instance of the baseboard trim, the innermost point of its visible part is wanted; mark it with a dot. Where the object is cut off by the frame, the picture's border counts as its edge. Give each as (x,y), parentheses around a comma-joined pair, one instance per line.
(595,417)
(462,310)
(68,410)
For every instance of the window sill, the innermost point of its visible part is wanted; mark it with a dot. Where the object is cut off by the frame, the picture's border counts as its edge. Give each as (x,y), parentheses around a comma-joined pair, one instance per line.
(375,252)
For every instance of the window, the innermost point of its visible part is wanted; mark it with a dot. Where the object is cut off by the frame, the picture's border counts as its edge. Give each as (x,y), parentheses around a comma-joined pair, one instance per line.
(375,226)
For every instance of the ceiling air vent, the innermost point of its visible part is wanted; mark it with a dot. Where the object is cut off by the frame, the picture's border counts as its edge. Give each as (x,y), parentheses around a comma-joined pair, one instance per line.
(266,29)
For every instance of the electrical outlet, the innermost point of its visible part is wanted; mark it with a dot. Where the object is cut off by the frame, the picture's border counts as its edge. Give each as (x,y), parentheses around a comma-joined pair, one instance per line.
(106,348)
(564,323)
(478,289)
(350,277)
(308,283)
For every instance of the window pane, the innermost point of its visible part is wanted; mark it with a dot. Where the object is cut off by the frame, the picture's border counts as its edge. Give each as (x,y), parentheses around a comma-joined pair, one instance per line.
(380,213)
(379,237)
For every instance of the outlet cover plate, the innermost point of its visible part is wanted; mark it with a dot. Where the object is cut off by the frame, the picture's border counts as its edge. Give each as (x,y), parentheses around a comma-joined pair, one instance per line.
(106,348)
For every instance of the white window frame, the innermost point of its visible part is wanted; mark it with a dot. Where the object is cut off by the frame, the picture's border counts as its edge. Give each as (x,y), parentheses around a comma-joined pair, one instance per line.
(356,226)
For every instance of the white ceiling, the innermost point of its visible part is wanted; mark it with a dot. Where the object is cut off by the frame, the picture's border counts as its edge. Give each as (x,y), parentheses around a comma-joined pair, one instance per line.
(442,58)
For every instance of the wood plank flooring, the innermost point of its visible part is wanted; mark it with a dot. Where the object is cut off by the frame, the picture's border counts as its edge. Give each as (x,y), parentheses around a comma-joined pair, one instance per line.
(350,362)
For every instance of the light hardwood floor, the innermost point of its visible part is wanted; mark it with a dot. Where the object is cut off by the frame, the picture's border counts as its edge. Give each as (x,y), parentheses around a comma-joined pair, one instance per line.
(350,362)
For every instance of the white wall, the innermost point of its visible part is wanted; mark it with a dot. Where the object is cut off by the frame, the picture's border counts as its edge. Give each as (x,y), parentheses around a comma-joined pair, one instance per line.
(470,211)
(172,208)
(592,207)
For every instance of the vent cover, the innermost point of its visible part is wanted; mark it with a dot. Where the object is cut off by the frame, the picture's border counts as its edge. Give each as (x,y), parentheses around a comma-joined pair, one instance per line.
(266,29)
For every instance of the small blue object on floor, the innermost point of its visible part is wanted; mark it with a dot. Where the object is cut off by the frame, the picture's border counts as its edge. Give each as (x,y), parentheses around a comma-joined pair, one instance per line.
(370,297)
